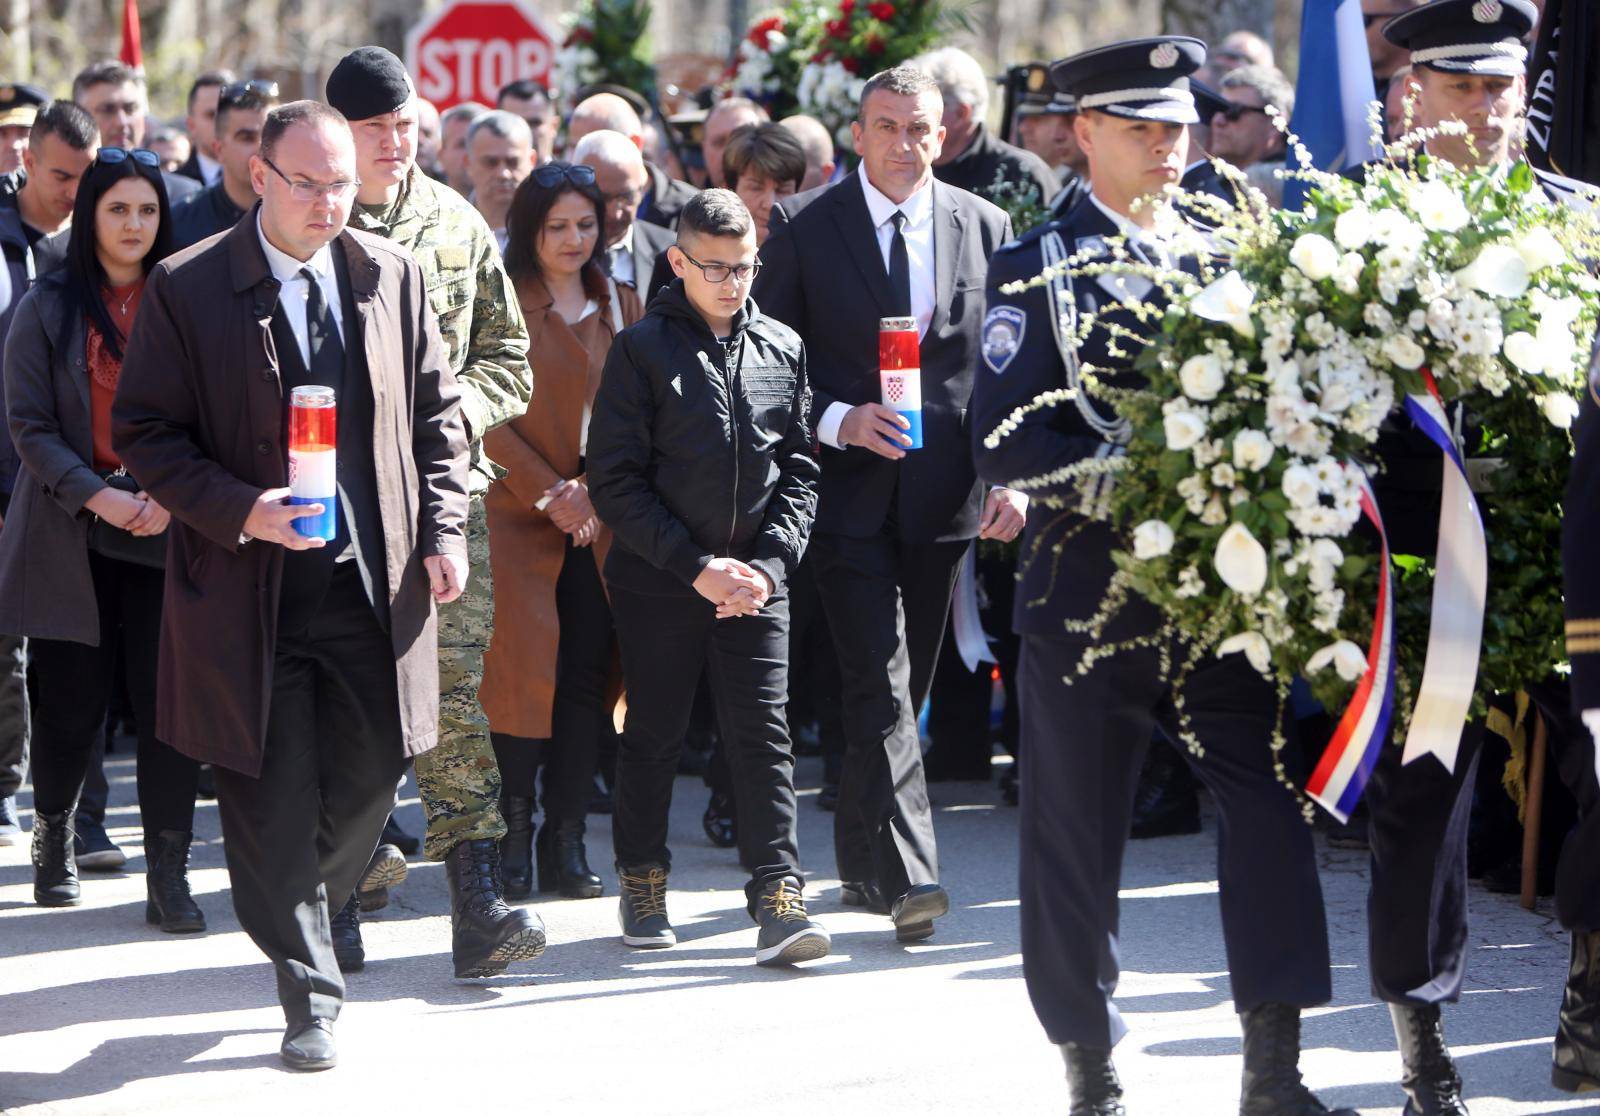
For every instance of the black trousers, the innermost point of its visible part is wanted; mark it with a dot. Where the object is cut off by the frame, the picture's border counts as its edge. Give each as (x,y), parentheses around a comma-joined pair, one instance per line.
(298,837)
(1082,747)
(1578,870)
(578,719)
(887,603)
(666,642)
(1417,896)
(15,729)
(74,691)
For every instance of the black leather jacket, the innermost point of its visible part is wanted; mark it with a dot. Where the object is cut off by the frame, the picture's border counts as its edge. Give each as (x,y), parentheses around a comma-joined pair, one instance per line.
(701,449)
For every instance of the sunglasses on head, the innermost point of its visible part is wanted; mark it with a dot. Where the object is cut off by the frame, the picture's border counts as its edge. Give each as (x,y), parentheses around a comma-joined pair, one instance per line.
(247,92)
(551,174)
(1233,112)
(111,156)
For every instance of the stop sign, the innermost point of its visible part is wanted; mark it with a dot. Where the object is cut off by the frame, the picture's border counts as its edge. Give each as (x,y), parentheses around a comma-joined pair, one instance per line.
(467,49)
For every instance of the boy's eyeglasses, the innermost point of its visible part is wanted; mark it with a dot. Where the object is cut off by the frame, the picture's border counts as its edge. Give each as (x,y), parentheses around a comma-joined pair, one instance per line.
(111,156)
(718,273)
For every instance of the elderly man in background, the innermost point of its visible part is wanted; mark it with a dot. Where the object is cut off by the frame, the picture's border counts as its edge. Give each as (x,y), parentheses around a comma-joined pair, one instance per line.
(973,158)
(1237,49)
(632,245)
(453,128)
(499,156)
(821,157)
(726,117)
(1243,133)
(607,112)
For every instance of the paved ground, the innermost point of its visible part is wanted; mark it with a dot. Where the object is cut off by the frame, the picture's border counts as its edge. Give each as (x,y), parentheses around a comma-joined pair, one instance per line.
(101,1014)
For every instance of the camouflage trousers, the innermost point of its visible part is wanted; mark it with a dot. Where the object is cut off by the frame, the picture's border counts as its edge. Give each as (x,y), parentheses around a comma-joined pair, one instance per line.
(459,780)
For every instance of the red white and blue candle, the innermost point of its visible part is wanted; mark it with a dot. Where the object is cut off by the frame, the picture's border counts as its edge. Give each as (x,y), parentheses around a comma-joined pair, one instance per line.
(900,372)
(313,463)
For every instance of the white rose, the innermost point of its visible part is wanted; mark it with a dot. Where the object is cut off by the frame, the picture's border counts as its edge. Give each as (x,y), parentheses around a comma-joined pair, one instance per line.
(1403,352)
(1345,656)
(1439,207)
(1254,646)
(1300,486)
(1251,450)
(1497,271)
(1183,429)
(1540,249)
(1241,561)
(1315,256)
(1222,475)
(1523,350)
(1201,377)
(1152,539)
(1560,408)
(1353,229)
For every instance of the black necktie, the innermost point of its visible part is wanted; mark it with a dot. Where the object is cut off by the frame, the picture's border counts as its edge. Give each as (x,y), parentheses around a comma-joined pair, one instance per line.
(900,266)
(326,363)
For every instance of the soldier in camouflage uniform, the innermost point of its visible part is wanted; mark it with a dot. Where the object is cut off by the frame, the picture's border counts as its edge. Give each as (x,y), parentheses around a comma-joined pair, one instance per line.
(481,323)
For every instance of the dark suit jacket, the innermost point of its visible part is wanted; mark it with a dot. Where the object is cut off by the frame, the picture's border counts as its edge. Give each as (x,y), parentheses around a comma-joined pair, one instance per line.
(179,187)
(825,278)
(191,167)
(651,271)
(199,420)
(667,198)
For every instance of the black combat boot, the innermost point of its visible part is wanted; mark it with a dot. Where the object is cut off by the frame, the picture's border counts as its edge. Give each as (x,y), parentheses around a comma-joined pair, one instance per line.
(516,847)
(1428,1075)
(55,871)
(168,901)
(1092,1084)
(1272,1085)
(345,927)
(1577,1054)
(563,861)
(486,933)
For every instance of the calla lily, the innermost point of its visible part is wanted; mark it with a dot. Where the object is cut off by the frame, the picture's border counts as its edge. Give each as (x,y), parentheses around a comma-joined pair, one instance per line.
(1254,647)
(1241,561)
(1227,300)
(1345,656)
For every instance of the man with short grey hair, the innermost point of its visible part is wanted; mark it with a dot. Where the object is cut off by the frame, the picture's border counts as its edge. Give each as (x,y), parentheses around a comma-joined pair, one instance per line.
(633,245)
(973,158)
(1243,133)
(453,125)
(499,156)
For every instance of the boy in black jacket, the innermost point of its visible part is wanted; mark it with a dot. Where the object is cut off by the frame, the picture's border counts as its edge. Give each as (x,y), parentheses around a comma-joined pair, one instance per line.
(700,462)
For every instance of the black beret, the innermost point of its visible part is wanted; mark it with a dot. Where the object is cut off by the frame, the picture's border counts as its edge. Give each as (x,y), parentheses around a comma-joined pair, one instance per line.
(1142,79)
(369,82)
(1466,36)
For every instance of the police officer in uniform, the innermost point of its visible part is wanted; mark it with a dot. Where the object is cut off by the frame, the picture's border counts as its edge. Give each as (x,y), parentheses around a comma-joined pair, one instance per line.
(19,104)
(1468,59)
(1083,743)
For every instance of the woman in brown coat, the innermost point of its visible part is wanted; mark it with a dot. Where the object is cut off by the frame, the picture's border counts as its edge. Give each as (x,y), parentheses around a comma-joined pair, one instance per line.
(547,673)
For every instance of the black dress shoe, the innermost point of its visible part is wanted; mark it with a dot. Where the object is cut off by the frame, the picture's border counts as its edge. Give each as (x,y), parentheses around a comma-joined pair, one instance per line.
(563,861)
(345,927)
(93,849)
(387,869)
(516,847)
(399,838)
(913,913)
(1092,1084)
(1272,1085)
(1576,1068)
(486,933)
(1428,1074)
(721,821)
(863,893)
(947,764)
(168,901)
(55,872)
(309,1046)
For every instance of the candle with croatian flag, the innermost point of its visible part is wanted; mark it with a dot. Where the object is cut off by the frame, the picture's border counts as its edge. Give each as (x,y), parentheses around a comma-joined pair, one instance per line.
(900,372)
(313,466)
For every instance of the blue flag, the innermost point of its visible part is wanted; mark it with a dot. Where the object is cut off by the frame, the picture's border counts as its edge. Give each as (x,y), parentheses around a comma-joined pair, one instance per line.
(1335,89)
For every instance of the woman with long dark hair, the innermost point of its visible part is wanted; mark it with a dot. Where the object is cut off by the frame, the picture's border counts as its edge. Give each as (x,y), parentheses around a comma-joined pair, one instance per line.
(82,553)
(547,675)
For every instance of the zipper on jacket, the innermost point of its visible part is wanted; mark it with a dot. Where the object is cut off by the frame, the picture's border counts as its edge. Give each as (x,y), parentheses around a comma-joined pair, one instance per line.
(731,375)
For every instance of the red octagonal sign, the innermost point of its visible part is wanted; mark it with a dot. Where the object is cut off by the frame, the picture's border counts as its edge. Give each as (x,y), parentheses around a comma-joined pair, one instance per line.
(467,49)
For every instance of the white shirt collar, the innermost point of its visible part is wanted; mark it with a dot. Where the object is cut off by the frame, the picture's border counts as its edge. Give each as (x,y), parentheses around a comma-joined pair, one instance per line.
(210,169)
(285,267)
(626,243)
(918,208)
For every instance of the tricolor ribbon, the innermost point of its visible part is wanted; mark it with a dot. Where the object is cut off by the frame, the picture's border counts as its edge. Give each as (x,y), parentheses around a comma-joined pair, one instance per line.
(1460,588)
(1346,765)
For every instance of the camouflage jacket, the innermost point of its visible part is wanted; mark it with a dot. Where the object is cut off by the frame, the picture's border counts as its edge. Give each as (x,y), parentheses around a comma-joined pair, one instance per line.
(479,317)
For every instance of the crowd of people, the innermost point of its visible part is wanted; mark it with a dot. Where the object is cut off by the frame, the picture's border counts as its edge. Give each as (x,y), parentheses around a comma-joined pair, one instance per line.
(612,495)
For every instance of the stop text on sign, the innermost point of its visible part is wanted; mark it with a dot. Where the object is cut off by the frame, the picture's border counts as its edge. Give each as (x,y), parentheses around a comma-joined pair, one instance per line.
(454,66)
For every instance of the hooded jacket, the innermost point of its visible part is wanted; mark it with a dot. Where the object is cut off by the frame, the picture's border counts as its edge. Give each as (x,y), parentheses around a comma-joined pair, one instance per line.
(700,448)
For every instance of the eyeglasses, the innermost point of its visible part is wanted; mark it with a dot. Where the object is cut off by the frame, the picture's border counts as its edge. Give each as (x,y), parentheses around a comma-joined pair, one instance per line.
(550,175)
(247,93)
(1233,112)
(719,273)
(304,192)
(111,156)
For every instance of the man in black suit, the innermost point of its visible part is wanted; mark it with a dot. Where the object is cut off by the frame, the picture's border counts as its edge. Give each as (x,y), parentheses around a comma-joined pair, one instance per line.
(633,247)
(893,523)
(201,127)
(116,96)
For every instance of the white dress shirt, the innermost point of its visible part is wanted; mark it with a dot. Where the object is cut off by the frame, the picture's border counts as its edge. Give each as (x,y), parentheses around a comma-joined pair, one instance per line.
(210,169)
(621,255)
(295,292)
(918,233)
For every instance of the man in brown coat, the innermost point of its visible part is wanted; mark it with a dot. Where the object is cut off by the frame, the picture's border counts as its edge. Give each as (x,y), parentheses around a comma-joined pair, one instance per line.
(305,671)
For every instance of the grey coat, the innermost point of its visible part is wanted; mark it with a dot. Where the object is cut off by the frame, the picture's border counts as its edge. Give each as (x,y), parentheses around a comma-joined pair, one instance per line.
(45,588)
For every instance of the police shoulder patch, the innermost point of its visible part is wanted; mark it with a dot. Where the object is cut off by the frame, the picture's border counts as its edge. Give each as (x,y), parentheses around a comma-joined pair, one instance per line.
(1002,336)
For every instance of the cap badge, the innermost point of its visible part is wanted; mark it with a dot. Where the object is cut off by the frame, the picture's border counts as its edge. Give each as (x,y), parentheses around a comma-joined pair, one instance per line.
(1165,56)
(1487,11)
